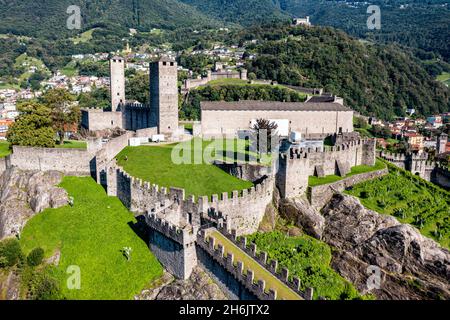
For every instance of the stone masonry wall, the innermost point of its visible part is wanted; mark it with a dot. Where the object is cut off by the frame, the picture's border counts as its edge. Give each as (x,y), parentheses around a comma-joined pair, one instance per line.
(296,168)
(237,267)
(69,161)
(97,119)
(319,196)
(244,210)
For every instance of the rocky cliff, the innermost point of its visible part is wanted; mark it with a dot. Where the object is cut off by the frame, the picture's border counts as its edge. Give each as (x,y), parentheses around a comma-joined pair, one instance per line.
(411,266)
(198,287)
(25,193)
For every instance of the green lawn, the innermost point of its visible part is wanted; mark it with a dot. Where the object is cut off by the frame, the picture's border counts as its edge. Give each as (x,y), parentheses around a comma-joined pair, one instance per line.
(72,144)
(4,149)
(84,37)
(70,69)
(91,235)
(29,61)
(316,181)
(272,282)
(444,77)
(154,164)
(411,200)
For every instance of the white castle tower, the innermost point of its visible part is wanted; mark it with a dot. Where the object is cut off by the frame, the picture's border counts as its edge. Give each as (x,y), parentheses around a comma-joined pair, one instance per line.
(117,71)
(164,95)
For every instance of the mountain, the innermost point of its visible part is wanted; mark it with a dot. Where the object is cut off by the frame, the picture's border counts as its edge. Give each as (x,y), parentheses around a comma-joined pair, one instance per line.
(379,80)
(48,18)
(414,23)
(243,12)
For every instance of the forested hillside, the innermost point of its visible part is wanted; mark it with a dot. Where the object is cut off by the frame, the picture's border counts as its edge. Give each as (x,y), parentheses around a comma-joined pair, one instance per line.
(47,18)
(373,79)
(243,12)
(414,23)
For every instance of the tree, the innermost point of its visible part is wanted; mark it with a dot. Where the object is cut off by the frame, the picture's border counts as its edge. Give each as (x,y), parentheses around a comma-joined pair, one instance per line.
(137,88)
(64,111)
(360,122)
(267,129)
(33,127)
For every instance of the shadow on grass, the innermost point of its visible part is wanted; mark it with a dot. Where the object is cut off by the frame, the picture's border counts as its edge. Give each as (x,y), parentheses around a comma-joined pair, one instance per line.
(140,228)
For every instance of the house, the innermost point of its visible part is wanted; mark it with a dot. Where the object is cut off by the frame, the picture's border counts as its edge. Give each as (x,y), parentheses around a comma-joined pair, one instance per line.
(415,140)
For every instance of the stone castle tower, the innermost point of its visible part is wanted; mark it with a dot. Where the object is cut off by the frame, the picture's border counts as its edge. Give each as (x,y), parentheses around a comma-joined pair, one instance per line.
(117,71)
(442,143)
(164,95)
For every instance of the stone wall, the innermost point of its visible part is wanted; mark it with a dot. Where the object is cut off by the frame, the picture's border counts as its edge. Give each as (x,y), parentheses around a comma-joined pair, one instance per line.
(174,247)
(147,133)
(105,156)
(441,177)
(98,119)
(244,210)
(227,282)
(164,96)
(245,171)
(296,167)
(68,161)
(237,267)
(219,122)
(138,116)
(319,196)
(4,164)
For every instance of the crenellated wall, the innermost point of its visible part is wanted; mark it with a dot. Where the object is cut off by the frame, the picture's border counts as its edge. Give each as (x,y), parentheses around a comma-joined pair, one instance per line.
(419,164)
(296,167)
(319,196)
(244,210)
(174,247)
(236,268)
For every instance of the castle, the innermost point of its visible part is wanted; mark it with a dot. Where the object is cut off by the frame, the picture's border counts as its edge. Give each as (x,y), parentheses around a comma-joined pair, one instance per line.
(180,227)
(159,117)
(317,118)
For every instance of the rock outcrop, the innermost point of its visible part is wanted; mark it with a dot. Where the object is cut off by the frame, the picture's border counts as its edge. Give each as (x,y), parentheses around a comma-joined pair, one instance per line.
(198,287)
(25,193)
(299,211)
(411,265)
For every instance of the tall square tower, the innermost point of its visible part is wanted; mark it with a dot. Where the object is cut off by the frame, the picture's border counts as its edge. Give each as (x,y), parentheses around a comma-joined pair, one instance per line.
(164,95)
(117,71)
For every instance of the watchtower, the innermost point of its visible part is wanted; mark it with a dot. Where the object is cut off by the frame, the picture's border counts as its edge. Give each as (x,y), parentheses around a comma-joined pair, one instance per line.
(442,143)
(164,95)
(117,71)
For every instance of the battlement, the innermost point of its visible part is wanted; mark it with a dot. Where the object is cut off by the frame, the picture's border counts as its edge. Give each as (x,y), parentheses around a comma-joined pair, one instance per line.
(135,105)
(92,110)
(184,236)
(304,153)
(423,156)
(389,156)
(262,259)
(236,268)
(203,201)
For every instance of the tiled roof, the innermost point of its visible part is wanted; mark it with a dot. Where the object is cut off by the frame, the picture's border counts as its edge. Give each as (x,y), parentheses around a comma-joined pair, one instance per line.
(272,106)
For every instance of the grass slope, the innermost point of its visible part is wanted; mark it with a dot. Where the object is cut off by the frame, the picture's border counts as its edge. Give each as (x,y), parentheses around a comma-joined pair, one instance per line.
(272,282)
(306,258)
(72,144)
(4,149)
(316,181)
(91,235)
(155,165)
(411,200)
(445,78)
